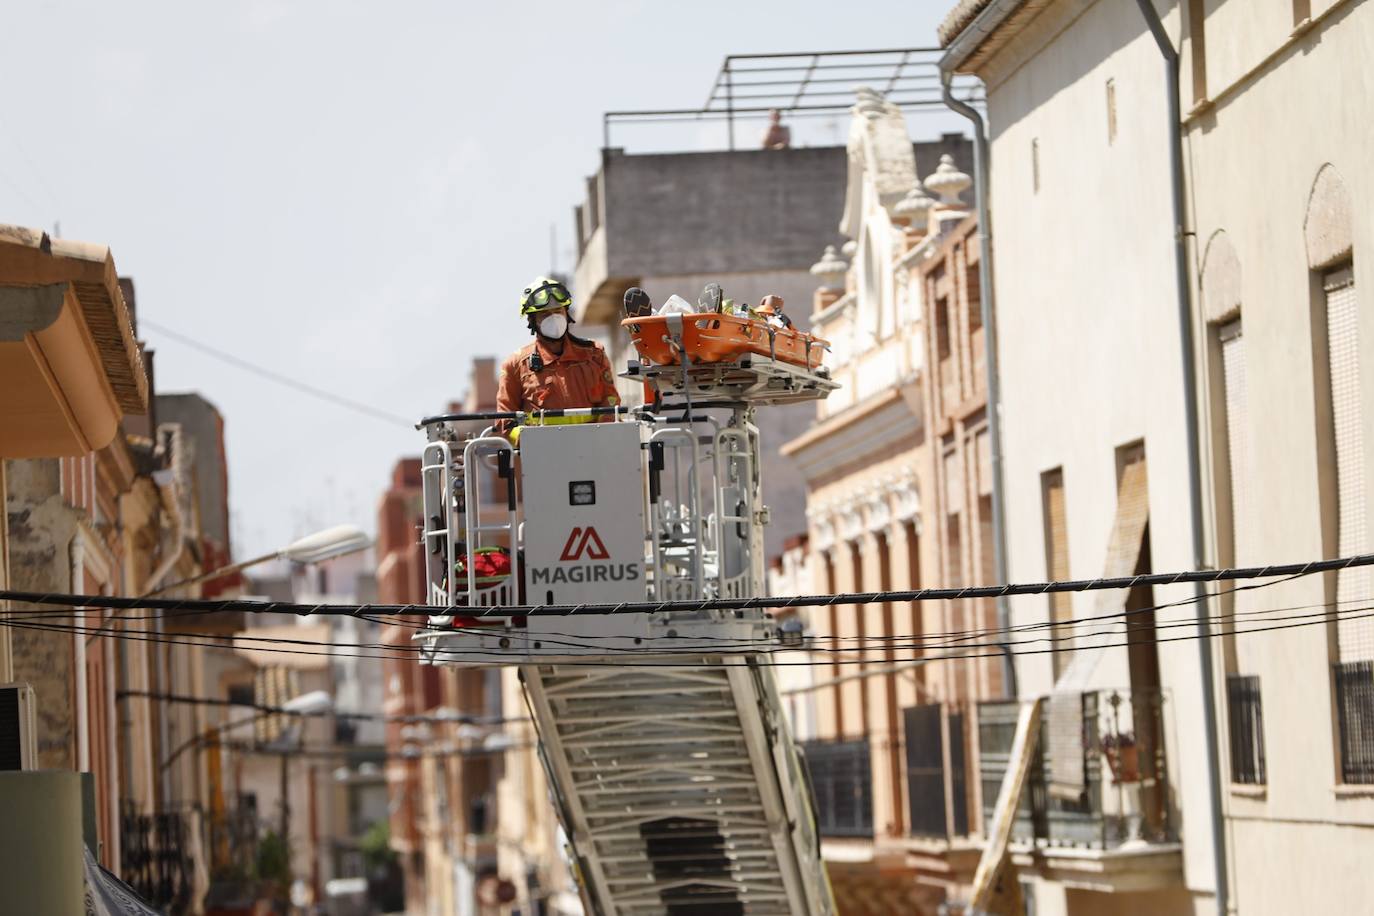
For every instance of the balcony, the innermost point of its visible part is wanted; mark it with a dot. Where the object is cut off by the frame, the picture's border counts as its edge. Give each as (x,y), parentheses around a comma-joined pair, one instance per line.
(1096,812)
(156,851)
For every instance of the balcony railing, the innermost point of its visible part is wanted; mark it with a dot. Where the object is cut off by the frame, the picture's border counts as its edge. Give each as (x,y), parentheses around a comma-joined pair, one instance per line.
(842,783)
(156,858)
(1123,795)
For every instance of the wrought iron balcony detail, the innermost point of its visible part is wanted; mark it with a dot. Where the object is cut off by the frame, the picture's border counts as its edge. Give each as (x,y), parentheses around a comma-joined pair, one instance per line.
(1124,796)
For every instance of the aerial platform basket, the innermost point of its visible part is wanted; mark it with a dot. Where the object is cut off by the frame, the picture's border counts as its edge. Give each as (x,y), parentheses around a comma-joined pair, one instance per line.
(715,356)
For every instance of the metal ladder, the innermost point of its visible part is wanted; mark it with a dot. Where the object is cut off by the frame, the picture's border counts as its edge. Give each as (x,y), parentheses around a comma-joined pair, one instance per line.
(680,787)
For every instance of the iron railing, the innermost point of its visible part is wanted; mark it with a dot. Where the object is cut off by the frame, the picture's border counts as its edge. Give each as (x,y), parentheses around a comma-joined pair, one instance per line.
(1355,713)
(1124,794)
(1246,717)
(156,861)
(842,782)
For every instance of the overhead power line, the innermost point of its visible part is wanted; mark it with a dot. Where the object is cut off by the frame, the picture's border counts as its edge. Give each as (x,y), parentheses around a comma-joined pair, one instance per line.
(271,375)
(1289,570)
(455,718)
(988,649)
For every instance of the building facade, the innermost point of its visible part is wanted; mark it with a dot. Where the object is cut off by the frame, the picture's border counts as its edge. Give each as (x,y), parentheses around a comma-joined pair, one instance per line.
(898,496)
(1097,453)
(98,496)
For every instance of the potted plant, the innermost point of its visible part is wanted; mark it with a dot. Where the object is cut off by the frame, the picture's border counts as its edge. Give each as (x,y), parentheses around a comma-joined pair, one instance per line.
(1123,756)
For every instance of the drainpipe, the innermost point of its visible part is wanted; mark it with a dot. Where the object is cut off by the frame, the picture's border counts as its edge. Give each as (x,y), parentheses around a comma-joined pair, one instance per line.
(1185,334)
(982,168)
(77,556)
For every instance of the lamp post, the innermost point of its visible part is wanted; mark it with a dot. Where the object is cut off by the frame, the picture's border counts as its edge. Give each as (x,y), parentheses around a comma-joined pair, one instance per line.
(328,544)
(311,703)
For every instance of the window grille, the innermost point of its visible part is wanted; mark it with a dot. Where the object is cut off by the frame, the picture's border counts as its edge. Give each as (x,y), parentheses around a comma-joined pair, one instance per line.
(1355,714)
(842,782)
(1246,718)
(1355,637)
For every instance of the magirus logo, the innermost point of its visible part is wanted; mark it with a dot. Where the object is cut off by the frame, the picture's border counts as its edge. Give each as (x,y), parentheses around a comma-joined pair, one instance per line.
(584,542)
(583,545)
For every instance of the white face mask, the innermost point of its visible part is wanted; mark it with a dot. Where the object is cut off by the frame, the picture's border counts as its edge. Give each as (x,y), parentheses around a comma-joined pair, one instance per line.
(553,326)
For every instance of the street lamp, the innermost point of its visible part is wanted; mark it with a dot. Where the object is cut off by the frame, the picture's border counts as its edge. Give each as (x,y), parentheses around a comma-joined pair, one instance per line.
(338,541)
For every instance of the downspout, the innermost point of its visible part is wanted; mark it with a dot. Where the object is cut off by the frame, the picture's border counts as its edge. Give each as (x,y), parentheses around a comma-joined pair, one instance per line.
(982,168)
(76,554)
(1185,334)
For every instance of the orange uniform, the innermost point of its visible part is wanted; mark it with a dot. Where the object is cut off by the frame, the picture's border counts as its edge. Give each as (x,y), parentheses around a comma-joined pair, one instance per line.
(535,378)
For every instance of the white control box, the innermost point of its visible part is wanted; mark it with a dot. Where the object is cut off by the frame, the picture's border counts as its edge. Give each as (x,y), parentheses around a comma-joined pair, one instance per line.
(582,488)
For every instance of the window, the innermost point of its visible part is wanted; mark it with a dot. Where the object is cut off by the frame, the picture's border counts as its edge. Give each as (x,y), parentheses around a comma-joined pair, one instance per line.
(1354,670)
(925,769)
(1111,111)
(954,504)
(240,694)
(1197,50)
(1302,11)
(1246,717)
(1057,565)
(1355,712)
(974,291)
(942,329)
(842,783)
(1237,436)
(938,803)
(1355,636)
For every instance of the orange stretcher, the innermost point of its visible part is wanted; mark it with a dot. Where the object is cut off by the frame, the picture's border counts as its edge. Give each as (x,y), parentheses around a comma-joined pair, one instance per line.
(712,337)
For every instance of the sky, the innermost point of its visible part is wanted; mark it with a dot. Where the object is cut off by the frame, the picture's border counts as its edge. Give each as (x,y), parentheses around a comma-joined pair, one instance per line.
(352,194)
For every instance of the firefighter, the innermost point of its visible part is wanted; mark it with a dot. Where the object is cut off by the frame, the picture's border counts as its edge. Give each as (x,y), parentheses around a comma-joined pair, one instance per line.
(557,370)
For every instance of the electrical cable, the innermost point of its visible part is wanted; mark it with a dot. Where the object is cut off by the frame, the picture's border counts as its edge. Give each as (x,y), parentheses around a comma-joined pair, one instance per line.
(302,387)
(430,719)
(1322,619)
(936,640)
(1288,570)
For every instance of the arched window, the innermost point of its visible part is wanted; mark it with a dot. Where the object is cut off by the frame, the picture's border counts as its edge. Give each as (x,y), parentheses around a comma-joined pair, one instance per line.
(1342,471)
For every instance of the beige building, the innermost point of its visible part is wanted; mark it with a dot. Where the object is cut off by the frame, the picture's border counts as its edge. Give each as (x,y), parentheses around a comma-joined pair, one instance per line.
(1274,133)
(101,496)
(898,496)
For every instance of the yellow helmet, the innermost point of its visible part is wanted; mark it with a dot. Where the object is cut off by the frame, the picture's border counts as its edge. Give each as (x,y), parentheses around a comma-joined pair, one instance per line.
(544,293)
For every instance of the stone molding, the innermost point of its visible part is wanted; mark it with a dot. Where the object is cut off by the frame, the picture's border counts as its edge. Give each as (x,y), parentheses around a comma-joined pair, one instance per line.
(1221,279)
(1328,227)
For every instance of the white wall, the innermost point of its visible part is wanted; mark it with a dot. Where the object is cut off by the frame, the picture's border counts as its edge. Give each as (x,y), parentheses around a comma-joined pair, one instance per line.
(1089,339)
(1253,160)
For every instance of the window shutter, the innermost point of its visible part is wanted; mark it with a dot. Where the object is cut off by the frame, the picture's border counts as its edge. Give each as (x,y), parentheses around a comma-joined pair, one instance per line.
(1355,636)
(1067,771)
(1237,439)
(1057,566)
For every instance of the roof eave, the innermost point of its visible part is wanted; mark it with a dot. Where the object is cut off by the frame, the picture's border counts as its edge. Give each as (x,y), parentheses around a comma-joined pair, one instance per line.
(972,36)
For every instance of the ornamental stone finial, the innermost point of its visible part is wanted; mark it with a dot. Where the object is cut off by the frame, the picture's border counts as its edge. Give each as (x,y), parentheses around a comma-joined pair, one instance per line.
(948,182)
(830,269)
(915,207)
